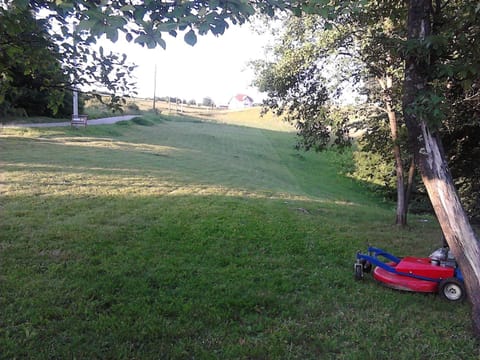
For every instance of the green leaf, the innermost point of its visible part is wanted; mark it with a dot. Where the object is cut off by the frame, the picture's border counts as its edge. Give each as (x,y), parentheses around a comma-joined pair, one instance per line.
(21,4)
(162,43)
(112,33)
(190,38)
(167,26)
(127,8)
(86,24)
(152,43)
(218,27)
(203,28)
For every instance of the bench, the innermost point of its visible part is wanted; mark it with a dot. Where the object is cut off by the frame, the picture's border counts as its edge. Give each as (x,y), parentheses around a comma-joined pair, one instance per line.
(79,120)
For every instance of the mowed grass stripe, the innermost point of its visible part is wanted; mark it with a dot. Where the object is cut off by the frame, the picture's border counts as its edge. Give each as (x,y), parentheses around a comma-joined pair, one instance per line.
(228,156)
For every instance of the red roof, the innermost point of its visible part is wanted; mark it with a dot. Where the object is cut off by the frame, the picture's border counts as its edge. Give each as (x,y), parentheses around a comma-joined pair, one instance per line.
(243,97)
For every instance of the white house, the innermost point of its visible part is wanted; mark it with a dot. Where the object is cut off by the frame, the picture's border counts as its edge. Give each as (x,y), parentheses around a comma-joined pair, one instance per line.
(240,101)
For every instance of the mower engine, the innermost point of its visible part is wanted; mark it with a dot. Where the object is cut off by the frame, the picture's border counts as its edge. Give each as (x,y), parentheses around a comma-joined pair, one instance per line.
(443,257)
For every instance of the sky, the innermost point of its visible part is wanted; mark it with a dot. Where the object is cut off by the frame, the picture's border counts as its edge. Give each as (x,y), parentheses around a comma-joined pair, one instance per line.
(215,67)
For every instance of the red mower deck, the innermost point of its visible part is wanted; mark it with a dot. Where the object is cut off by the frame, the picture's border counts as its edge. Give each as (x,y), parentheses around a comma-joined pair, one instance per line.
(413,266)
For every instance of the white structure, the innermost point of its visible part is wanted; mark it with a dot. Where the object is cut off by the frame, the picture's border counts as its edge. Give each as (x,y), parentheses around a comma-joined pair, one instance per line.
(240,101)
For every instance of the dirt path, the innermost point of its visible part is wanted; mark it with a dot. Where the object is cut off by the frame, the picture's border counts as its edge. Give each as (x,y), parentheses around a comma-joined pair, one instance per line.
(109,120)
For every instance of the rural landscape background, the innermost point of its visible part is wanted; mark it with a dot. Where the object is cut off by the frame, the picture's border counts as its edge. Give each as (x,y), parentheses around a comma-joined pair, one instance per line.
(203,235)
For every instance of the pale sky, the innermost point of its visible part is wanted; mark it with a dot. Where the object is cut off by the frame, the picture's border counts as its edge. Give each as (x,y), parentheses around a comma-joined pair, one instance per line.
(215,67)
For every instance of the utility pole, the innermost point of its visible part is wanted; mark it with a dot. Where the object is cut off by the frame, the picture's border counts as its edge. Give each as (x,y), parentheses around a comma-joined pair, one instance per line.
(75,91)
(154,87)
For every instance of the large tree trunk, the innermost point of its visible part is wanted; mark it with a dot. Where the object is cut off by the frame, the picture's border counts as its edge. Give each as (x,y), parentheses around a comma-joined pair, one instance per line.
(431,161)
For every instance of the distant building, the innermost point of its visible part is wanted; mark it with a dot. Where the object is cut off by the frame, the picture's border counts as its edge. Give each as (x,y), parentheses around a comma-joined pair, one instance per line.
(240,101)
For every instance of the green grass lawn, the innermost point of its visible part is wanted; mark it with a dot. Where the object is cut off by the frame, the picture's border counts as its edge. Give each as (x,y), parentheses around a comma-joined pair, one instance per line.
(174,238)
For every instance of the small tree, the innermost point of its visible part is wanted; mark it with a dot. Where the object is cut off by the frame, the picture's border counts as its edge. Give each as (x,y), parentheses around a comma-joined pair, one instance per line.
(208,102)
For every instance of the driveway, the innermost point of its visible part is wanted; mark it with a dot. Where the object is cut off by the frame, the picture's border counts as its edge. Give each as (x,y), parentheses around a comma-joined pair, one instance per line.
(109,120)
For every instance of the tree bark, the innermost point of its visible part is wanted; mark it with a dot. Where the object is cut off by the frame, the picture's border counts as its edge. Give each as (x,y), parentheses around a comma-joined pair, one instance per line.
(401,212)
(410,181)
(429,156)
(401,216)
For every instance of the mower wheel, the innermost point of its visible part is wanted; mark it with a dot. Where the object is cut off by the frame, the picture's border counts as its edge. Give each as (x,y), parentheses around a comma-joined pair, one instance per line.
(367,266)
(358,271)
(452,289)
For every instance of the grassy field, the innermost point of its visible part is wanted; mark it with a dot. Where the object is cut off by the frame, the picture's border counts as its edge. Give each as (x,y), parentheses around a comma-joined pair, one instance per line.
(176,238)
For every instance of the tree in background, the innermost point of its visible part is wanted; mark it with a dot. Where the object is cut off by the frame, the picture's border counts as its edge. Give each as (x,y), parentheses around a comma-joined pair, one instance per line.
(348,49)
(456,51)
(460,133)
(43,58)
(208,102)
(32,81)
(296,85)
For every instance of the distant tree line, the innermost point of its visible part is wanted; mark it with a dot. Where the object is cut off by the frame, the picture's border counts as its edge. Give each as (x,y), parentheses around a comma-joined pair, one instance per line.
(206,101)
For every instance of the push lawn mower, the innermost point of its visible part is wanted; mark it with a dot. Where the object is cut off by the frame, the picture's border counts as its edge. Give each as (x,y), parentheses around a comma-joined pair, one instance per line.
(437,273)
